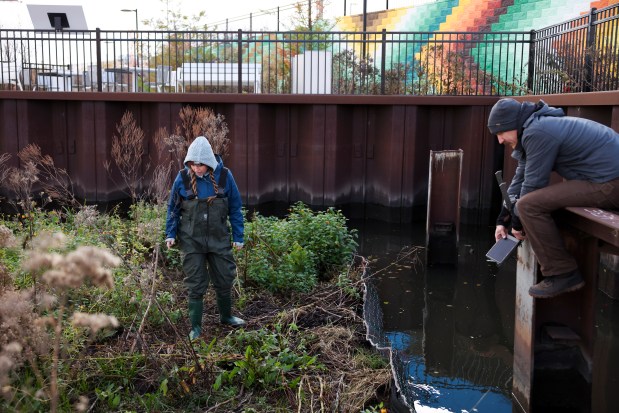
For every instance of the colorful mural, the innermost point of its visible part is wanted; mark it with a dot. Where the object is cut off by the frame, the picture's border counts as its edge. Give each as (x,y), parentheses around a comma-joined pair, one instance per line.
(454,38)
(473,15)
(459,47)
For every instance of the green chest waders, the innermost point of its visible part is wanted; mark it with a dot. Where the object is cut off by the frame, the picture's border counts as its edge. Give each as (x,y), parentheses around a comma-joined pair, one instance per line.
(204,238)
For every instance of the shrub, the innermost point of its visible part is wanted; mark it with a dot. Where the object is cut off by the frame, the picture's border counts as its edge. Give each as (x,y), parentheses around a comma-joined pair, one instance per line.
(292,254)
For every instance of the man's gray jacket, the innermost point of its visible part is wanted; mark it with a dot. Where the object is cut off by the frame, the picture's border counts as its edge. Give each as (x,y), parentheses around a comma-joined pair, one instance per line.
(576,148)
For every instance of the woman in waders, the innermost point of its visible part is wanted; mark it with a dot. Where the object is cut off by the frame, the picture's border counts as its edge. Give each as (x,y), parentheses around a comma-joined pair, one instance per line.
(204,197)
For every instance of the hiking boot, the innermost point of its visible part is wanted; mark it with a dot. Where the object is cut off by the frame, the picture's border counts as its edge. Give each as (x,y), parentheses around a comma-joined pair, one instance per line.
(557,284)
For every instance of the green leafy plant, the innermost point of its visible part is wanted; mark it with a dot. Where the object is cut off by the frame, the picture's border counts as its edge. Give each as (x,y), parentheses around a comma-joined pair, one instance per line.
(268,360)
(294,253)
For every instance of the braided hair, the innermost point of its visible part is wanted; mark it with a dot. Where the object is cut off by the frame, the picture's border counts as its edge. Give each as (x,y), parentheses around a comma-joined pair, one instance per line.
(194,185)
(215,187)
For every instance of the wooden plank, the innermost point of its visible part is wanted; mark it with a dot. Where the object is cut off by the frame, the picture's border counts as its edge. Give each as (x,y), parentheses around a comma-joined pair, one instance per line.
(524,328)
(597,222)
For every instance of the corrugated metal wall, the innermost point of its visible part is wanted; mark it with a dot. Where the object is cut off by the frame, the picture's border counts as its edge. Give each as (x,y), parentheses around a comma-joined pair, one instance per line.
(366,153)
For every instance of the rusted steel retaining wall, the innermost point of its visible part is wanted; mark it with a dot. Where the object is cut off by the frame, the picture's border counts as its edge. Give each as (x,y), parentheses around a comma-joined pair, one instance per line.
(365,151)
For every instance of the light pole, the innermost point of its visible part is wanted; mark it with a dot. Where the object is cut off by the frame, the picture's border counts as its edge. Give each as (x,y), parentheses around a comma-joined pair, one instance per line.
(137,63)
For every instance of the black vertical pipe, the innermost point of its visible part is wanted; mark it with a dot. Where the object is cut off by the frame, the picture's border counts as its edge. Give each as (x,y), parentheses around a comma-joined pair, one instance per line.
(309,14)
(239,76)
(277,18)
(344,7)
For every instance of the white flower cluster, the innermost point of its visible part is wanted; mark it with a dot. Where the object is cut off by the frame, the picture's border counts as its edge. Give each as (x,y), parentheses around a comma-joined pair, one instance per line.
(95,322)
(86,263)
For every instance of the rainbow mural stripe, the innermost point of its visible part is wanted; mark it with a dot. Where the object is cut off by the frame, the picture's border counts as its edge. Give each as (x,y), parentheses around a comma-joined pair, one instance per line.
(447,21)
(473,15)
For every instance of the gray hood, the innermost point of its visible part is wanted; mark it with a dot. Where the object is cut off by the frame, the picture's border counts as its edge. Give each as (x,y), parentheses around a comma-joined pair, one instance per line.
(200,151)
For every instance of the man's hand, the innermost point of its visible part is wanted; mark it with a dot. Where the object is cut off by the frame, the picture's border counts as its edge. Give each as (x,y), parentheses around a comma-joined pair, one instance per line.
(500,232)
(169,242)
(518,234)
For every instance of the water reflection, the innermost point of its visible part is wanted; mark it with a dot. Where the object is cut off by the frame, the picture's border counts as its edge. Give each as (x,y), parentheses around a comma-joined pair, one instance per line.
(451,327)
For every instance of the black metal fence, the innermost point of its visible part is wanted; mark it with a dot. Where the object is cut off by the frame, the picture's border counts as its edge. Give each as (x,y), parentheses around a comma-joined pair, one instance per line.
(579,55)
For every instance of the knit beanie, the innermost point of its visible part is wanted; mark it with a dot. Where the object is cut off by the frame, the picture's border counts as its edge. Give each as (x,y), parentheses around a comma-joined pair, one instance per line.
(200,151)
(504,116)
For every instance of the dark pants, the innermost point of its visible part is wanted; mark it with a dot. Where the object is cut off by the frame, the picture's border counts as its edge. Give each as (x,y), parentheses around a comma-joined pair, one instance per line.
(220,271)
(535,209)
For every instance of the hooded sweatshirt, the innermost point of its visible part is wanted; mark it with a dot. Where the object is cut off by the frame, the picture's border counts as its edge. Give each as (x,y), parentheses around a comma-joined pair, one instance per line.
(200,151)
(576,148)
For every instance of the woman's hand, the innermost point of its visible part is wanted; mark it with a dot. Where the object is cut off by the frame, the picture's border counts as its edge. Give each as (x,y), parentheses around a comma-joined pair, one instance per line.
(500,232)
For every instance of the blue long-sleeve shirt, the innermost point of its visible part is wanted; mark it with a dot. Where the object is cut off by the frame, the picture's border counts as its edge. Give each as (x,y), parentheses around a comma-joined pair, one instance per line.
(205,189)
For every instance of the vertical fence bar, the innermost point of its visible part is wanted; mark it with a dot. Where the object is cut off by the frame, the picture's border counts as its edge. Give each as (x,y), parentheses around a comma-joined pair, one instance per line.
(382,63)
(240,61)
(531,68)
(589,50)
(99,70)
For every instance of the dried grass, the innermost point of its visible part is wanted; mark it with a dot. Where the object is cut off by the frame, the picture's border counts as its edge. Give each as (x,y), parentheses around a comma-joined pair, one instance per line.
(54,181)
(7,239)
(87,216)
(20,181)
(20,322)
(204,122)
(128,149)
(159,188)
(22,339)
(4,168)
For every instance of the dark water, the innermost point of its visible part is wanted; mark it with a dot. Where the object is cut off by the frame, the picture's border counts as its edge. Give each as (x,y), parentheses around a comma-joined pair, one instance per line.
(453,325)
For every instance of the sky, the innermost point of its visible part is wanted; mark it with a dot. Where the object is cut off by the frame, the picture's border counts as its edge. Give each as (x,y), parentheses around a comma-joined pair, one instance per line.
(107,14)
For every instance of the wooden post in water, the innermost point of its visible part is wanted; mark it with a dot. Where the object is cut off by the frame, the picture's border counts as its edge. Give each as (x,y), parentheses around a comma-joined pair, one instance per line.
(443,217)
(524,328)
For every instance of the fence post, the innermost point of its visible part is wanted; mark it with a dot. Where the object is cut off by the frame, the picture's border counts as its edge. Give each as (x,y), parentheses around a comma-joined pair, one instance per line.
(531,71)
(239,76)
(99,70)
(382,63)
(589,50)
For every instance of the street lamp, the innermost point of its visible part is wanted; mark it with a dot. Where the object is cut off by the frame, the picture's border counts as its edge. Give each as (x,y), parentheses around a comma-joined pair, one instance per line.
(137,63)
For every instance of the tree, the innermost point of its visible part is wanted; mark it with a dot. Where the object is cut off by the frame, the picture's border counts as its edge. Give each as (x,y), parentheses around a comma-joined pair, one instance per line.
(183,33)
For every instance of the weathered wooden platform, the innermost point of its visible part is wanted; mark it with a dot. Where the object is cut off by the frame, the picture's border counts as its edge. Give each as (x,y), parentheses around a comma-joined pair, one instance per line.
(559,332)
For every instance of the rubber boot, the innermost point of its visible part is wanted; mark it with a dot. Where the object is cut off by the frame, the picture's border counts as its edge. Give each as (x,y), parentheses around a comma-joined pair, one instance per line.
(224,303)
(195,317)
